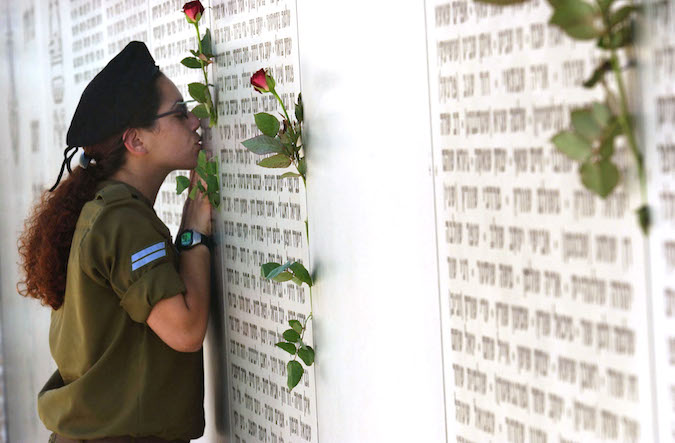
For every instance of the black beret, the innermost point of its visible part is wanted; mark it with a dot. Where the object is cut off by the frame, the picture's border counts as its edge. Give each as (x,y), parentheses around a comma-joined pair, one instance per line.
(111,98)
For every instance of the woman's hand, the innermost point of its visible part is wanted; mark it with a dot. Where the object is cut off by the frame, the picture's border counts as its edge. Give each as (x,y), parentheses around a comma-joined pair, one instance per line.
(197,212)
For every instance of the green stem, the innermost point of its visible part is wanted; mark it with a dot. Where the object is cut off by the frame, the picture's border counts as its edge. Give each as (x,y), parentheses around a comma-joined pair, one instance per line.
(206,79)
(201,62)
(282,107)
(628,130)
(311,304)
(290,125)
(611,98)
(311,309)
(307,229)
(624,114)
(304,327)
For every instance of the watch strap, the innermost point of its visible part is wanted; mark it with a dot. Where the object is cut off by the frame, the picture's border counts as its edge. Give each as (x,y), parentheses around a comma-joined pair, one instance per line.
(201,239)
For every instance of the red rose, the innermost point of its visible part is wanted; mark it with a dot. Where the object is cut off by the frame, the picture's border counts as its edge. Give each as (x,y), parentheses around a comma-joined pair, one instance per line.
(259,81)
(193,11)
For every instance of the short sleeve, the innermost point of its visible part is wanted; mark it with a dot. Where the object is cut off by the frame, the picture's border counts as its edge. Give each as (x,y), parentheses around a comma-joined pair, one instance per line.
(126,248)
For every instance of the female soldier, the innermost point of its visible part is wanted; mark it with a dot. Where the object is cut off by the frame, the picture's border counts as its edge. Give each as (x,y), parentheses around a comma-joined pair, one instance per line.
(129,312)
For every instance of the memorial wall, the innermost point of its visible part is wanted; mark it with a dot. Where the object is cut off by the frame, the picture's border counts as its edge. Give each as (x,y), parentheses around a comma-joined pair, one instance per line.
(468,288)
(542,282)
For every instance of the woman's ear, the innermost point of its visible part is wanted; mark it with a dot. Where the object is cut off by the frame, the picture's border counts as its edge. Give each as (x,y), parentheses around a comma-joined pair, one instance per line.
(133,142)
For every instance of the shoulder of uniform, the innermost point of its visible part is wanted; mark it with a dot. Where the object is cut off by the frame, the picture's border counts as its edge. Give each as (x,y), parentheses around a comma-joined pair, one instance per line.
(119,207)
(114,193)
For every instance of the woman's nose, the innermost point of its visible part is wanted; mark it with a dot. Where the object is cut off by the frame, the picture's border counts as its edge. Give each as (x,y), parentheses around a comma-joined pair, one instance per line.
(196,123)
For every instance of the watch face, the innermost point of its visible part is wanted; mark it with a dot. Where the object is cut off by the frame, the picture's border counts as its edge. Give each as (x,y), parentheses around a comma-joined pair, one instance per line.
(186,238)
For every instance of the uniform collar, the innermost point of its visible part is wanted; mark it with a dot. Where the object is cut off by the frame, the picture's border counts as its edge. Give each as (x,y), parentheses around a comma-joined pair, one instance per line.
(135,192)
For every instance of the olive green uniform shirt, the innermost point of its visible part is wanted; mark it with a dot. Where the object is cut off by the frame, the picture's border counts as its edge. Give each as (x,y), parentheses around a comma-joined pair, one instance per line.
(115,376)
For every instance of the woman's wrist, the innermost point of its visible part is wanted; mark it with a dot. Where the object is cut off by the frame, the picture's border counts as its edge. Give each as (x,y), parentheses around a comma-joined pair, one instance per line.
(203,248)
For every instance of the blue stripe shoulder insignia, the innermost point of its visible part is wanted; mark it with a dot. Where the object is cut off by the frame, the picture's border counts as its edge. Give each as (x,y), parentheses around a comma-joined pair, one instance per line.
(148,255)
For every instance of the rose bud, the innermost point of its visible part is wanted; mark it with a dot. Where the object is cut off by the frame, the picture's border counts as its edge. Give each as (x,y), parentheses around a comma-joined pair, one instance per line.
(259,81)
(193,11)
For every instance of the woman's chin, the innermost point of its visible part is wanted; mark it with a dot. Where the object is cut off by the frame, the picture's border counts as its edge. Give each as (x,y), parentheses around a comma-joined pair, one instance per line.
(190,164)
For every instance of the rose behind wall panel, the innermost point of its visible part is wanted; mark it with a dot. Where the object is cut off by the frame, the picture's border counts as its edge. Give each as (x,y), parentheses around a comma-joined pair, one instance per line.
(544,289)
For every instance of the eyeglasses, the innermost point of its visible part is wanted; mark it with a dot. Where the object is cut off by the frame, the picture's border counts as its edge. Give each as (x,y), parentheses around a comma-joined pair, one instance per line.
(182,110)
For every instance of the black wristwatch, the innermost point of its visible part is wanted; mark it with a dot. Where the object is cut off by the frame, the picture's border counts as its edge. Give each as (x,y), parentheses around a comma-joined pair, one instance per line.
(189,238)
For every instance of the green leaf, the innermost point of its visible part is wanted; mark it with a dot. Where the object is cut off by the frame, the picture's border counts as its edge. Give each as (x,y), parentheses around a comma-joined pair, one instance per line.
(277,270)
(275,161)
(191,63)
(284,276)
(212,168)
(195,53)
(644,218)
(182,183)
(267,268)
(201,159)
(200,111)
(585,125)
(623,13)
(618,38)
(296,325)
(606,149)
(295,372)
(572,145)
(301,273)
(201,167)
(600,177)
(307,355)
(267,123)
(193,193)
(299,109)
(270,81)
(214,198)
(601,114)
(201,171)
(614,128)
(212,183)
(285,139)
(263,144)
(206,44)
(605,5)
(288,347)
(598,73)
(197,91)
(291,335)
(289,174)
(297,281)
(302,166)
(578,19)
(201,187)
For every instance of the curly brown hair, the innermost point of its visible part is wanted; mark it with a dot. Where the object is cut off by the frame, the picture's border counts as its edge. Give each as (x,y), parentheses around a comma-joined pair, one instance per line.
(44,245)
